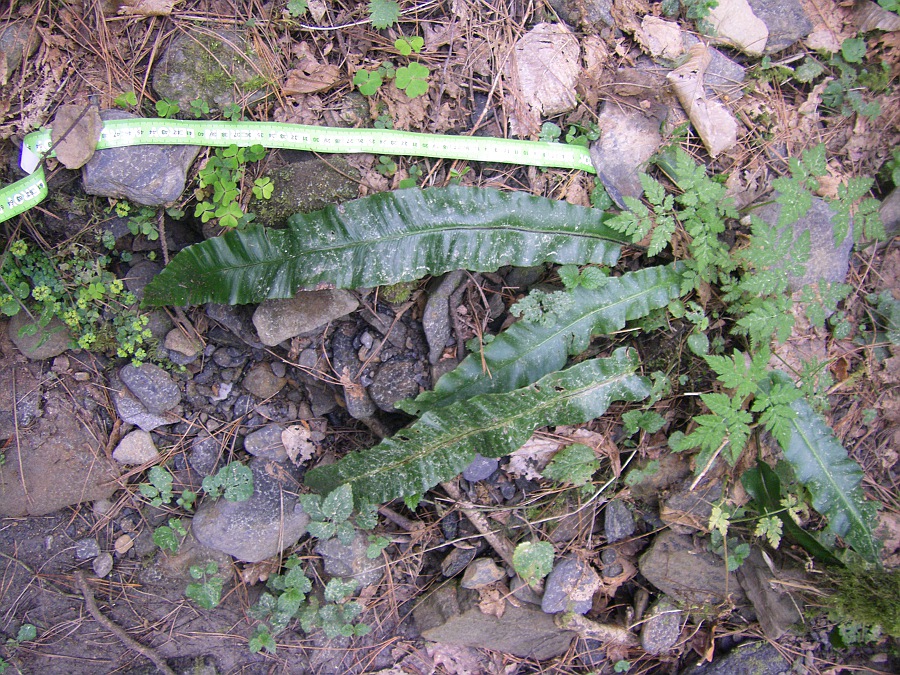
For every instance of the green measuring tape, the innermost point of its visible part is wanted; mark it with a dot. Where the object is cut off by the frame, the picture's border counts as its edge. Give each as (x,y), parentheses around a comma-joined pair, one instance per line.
(30,191)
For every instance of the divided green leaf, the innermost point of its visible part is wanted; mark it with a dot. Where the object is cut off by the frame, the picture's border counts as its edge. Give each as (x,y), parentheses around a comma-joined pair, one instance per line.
(383,13)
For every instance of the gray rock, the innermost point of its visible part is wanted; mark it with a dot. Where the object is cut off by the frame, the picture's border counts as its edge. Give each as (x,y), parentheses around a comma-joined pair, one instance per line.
(751,658)
(180,343)
(395,381)
(136,448)
(17,40)
(570,587)
(436,317)
(826,261)
(133,411)
(520,589)
(724,76)
(481,572)
(264,525)
(661,628)
(229,357)
(890,213)
(450,615)
(63,462)
(102,565)
(152,386)
(204,455)
(611,565)
(302,187)
(775,610)
(591,653)
(219,67)
(481,468)
(86,548)
(592,13)
(151,175)
(350,561)
(457,560)
(786,20)
(279,320)
(689,573)
(45,343)
(687,510)
(236,320)
(266,443)
(618,521)
(628,140)
(262,382)
(140,275)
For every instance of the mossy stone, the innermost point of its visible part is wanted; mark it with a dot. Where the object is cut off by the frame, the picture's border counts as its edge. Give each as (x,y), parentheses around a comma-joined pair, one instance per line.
(302,187)
(220,67)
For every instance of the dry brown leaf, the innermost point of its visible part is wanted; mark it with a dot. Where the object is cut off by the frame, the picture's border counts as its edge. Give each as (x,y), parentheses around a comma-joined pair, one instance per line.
(296,440)
(542,74)
(713,121)
(309,77)
(660,38)
(75,132)
(146,7)
(491,599)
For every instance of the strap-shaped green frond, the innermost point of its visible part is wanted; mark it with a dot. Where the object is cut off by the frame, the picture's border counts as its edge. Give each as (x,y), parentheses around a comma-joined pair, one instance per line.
(529,350)
(383,239)
(443,442)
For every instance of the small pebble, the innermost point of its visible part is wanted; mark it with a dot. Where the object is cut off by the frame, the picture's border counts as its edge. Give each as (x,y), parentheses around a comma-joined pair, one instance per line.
(102,565)
(86,548)
(480,573)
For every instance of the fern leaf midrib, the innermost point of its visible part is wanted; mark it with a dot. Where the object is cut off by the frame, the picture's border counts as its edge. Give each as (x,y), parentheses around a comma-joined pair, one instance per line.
(826,470)
(380,241)
(568,328)
(443,441)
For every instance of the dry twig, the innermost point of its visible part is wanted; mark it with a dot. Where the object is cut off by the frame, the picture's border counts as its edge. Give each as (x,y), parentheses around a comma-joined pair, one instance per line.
(116,629)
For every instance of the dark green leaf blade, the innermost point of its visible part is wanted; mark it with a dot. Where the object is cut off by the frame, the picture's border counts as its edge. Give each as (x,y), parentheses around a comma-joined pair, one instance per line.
(443,442)
(383,239)
(764,486)
(833,479)
(526,351)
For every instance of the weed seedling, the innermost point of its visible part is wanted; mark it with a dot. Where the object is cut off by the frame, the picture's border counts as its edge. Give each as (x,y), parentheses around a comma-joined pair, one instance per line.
(413,79)
(167,108)
(207,590)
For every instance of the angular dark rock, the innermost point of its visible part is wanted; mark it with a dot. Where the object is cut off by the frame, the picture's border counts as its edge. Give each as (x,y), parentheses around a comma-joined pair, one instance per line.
(786,20)
(776,611)
(396,380)
(618,521)
(151,175)
(152,386)
(570,587)
(687,572)
(481,468)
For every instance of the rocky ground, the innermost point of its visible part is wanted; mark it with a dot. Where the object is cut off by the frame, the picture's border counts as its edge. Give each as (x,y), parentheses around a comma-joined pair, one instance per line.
(291,383)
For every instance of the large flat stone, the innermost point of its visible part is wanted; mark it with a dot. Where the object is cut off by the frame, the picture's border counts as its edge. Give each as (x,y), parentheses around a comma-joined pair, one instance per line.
(58,462)
(279,320)
(256,529)
(450,615)
(687,572)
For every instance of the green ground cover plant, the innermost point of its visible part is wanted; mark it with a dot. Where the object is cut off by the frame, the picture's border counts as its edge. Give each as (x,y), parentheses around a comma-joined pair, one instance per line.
(519,381)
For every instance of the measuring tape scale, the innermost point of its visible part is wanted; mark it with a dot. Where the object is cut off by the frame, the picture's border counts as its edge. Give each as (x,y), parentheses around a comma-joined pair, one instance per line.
(30,191)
